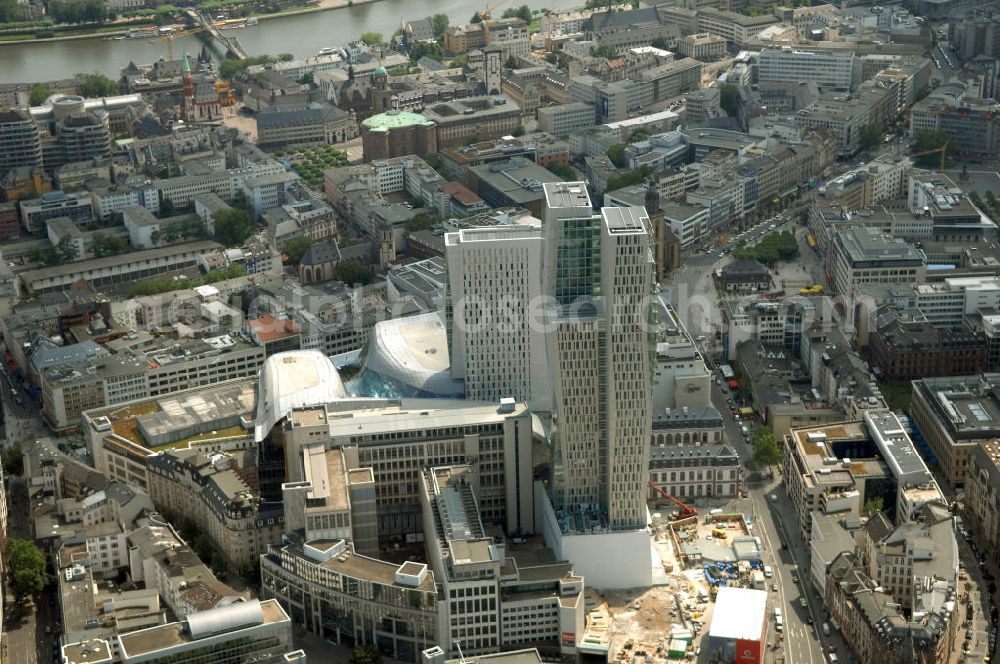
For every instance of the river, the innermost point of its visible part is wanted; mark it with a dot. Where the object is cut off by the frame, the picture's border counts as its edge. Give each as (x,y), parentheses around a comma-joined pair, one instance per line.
(301,35)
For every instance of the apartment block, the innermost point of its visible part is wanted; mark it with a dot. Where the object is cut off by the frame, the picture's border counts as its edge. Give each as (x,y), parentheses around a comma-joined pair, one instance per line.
(394,606)
(954,415)
(209,490)
(123,268)
(312,125)
(482,118)
(982,494)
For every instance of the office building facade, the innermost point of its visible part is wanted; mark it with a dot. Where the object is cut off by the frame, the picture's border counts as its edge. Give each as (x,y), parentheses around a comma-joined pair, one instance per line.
(599,268)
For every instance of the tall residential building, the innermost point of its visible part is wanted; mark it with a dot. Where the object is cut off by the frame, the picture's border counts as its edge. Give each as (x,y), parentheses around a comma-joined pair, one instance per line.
(493,311)
(20,144)
(599,272)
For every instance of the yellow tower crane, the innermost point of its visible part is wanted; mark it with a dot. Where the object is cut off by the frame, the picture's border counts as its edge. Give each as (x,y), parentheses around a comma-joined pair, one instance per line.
(943,150)
(170,36)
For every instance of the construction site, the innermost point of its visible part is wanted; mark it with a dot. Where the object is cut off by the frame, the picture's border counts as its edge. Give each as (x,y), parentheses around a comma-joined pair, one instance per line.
(702,550)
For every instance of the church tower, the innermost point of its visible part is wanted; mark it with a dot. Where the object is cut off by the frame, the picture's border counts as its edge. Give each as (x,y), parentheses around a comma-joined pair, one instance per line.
(187,110)
(494,67)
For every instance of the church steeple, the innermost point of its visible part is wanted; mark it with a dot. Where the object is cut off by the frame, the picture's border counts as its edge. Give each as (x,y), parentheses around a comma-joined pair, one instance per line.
(652,200)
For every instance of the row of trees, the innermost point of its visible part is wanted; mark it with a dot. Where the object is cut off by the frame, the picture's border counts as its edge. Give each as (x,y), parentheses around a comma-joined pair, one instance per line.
(991,206)
(628,179)
(90,85)
(230,66)
(97,85)
(166,284)
(930,139)
(55,254)
(870,136)
(771,248)
(523,12)
(25,569)
(765,448)
(564,172)
(89,11)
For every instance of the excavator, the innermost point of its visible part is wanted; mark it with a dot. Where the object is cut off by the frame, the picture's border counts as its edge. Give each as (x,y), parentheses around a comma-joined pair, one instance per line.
(686,510)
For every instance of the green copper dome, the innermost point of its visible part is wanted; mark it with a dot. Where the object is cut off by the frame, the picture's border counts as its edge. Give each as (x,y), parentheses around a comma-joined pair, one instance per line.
(394,120)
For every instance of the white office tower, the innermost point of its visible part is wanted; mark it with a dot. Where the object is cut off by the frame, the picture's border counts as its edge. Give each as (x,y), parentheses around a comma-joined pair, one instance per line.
(495,338)
(599,274)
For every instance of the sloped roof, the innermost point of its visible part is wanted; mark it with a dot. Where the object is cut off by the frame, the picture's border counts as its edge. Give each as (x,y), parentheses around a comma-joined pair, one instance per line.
(321,252)
(293,379)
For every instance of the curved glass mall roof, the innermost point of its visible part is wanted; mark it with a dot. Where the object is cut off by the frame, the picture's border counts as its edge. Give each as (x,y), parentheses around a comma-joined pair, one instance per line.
(408,357)
(293,379)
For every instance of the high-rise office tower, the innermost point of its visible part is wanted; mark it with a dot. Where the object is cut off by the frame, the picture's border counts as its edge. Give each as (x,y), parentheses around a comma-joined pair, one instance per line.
(599,272)
(493,314)
(20,144)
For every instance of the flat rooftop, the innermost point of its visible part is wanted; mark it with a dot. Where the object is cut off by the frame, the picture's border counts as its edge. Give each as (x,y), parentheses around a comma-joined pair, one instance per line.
(93,651)
(624,221)
(183,417)
(896,446)
(869,244)
(174,634)
(388,416)
(325,469)
(369,569)
(739,613)
(567,195)
(968,406)
(529,656)
(820,463)
(305,417)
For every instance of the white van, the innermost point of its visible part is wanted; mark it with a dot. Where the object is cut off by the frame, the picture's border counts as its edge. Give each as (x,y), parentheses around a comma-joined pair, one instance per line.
(768,572)
(826,629)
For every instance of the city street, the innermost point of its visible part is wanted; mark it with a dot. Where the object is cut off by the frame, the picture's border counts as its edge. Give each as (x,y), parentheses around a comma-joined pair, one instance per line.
(800,642)
(24,638)
(694,297)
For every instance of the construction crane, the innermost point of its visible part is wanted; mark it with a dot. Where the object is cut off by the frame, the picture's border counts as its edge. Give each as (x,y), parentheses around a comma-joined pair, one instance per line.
(222,88)
(487,13)
(169,38)
(943,150)
(686,510)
